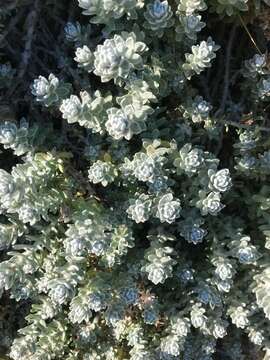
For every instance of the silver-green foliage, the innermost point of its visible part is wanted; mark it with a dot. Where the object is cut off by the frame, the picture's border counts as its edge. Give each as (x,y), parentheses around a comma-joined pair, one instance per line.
(151,241)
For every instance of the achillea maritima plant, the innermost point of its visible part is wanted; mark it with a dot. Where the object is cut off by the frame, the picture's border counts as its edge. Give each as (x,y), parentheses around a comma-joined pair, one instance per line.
(137,227)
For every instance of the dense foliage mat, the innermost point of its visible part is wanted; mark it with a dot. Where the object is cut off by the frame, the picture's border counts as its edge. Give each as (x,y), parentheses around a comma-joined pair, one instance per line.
(134,179)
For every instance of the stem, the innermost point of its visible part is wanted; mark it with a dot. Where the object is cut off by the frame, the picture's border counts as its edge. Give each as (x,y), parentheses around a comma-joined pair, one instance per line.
(249,34)
(227,72)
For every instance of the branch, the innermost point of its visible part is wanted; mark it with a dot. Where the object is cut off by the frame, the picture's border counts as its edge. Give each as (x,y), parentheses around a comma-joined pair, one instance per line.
(13,22)
(243,126)
(31,23)
(249,34)
(227,72)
